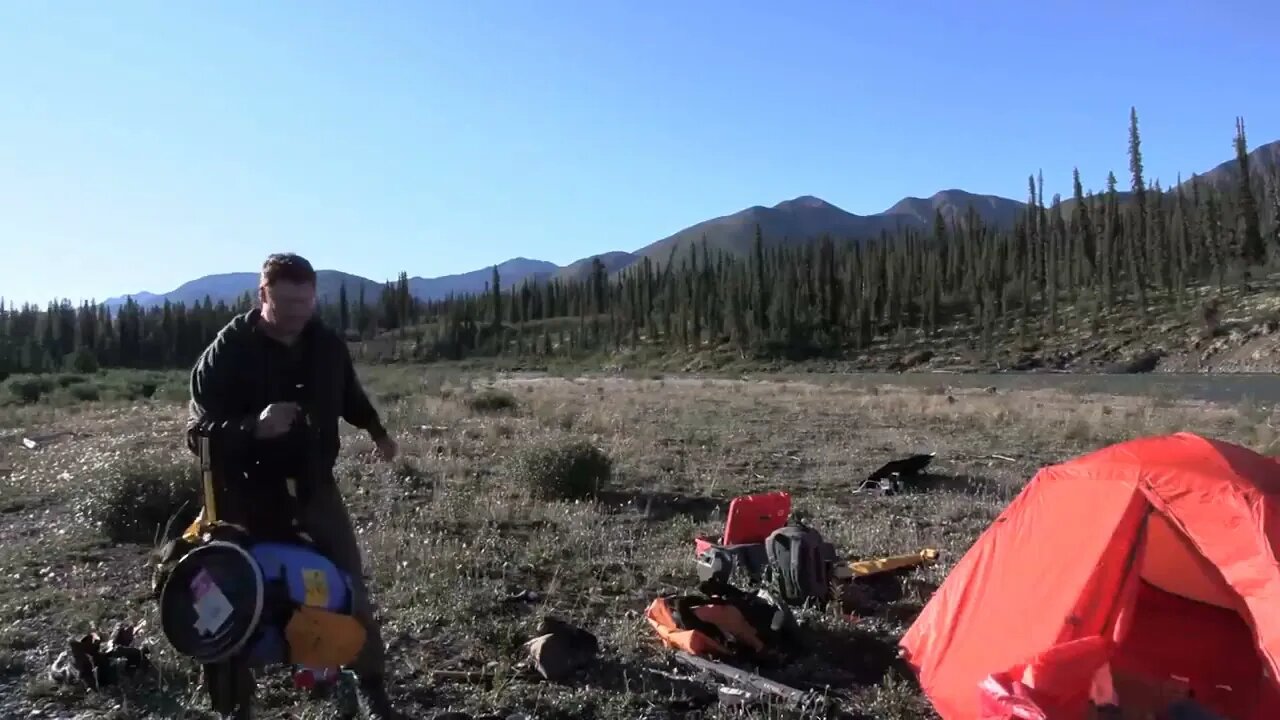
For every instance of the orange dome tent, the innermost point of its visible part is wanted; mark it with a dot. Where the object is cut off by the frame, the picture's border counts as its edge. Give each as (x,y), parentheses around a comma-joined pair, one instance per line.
(1147,568)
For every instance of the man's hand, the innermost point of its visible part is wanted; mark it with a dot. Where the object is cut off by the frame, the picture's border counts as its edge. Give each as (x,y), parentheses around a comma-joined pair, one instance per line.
(275,420)
(387,448)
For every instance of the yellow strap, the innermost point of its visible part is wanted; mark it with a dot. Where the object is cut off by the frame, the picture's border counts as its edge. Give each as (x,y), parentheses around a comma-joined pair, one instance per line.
(863,568)
(206,476)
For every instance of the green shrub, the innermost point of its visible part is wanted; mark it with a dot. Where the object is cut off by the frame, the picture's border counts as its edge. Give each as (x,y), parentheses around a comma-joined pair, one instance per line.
(491,400)
(142,389)
(570,470)
(145,500)
(134,386)
(109,385)
(85,392)
(27,389)
(66,380)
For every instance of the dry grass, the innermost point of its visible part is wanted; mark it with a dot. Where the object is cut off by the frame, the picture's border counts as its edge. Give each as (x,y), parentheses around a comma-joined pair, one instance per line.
(452,530)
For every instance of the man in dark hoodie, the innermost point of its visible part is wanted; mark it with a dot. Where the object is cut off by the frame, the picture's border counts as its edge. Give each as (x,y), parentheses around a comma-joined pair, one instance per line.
(278,379)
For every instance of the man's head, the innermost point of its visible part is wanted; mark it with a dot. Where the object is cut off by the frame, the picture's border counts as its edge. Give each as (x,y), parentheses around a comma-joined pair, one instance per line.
(287,290)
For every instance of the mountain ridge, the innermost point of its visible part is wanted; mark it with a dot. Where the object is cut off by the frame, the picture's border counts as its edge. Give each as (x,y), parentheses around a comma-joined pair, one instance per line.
(799,219)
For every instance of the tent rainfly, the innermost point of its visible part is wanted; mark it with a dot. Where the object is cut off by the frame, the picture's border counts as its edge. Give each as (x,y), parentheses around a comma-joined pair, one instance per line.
(1142,572)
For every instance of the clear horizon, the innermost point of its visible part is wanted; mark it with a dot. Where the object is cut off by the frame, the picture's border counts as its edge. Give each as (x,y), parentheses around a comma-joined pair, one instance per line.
(154,143)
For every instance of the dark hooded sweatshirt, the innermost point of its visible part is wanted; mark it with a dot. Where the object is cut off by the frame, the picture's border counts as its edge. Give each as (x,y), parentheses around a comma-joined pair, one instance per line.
(244,370)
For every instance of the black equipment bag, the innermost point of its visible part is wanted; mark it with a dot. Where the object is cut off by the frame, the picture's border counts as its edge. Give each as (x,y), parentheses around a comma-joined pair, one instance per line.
(801,564)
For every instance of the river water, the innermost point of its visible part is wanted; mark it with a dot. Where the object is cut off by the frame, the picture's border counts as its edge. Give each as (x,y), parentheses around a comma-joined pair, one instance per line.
(1227,388)
(1260,389)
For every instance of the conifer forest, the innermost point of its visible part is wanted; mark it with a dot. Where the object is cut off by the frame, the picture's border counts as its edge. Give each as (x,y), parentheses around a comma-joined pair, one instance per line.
(1132,247)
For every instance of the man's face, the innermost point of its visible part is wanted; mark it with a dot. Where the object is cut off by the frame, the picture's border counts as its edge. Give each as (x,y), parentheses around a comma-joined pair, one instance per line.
(288,305)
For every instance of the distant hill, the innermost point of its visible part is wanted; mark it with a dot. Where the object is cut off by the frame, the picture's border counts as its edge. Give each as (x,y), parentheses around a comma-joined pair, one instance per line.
(954,205)
(801,219)
(230,286)
(1262,160)
(510,273)
(808,218)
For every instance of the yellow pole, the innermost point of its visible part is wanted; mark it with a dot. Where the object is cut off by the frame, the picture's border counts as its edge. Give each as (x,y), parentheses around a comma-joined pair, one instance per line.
(206,473)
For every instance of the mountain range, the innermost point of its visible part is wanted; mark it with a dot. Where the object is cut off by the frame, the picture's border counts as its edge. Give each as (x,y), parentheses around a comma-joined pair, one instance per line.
(798,220)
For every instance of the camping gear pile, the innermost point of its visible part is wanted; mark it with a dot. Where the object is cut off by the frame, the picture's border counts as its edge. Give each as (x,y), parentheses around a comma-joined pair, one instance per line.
(724,621)
(232,602)
(1137,581)
(764,565)
(760,546)
(721,619)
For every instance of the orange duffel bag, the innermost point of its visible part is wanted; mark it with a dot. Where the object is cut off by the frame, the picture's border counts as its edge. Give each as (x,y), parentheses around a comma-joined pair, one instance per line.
(725,624)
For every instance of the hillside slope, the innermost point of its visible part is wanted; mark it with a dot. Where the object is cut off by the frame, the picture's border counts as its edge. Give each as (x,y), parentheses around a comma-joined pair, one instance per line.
(809,218)
(612,261)
(801,219)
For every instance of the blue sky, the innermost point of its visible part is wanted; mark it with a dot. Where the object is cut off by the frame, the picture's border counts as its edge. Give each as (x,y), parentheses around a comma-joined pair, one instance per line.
(146,143)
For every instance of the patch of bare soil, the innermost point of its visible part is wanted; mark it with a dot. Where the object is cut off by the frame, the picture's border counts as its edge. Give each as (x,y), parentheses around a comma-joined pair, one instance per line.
(465,565)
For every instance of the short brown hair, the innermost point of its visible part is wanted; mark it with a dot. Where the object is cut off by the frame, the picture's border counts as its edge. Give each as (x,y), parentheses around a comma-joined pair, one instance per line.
(289,267)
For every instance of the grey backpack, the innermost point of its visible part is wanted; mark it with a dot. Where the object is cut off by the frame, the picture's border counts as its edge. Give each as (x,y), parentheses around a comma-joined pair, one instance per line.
(800,563)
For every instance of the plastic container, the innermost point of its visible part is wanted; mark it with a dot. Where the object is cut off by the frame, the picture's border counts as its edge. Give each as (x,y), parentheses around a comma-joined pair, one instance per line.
(750,520)
(213,601)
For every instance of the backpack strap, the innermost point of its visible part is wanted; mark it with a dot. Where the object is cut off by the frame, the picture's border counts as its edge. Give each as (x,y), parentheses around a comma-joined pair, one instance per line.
(797,564)
(784,561)
(818,582)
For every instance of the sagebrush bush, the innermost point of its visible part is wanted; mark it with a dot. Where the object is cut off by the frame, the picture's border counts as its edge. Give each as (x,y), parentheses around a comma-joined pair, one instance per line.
(492,401)
(145,500)
(568,470)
